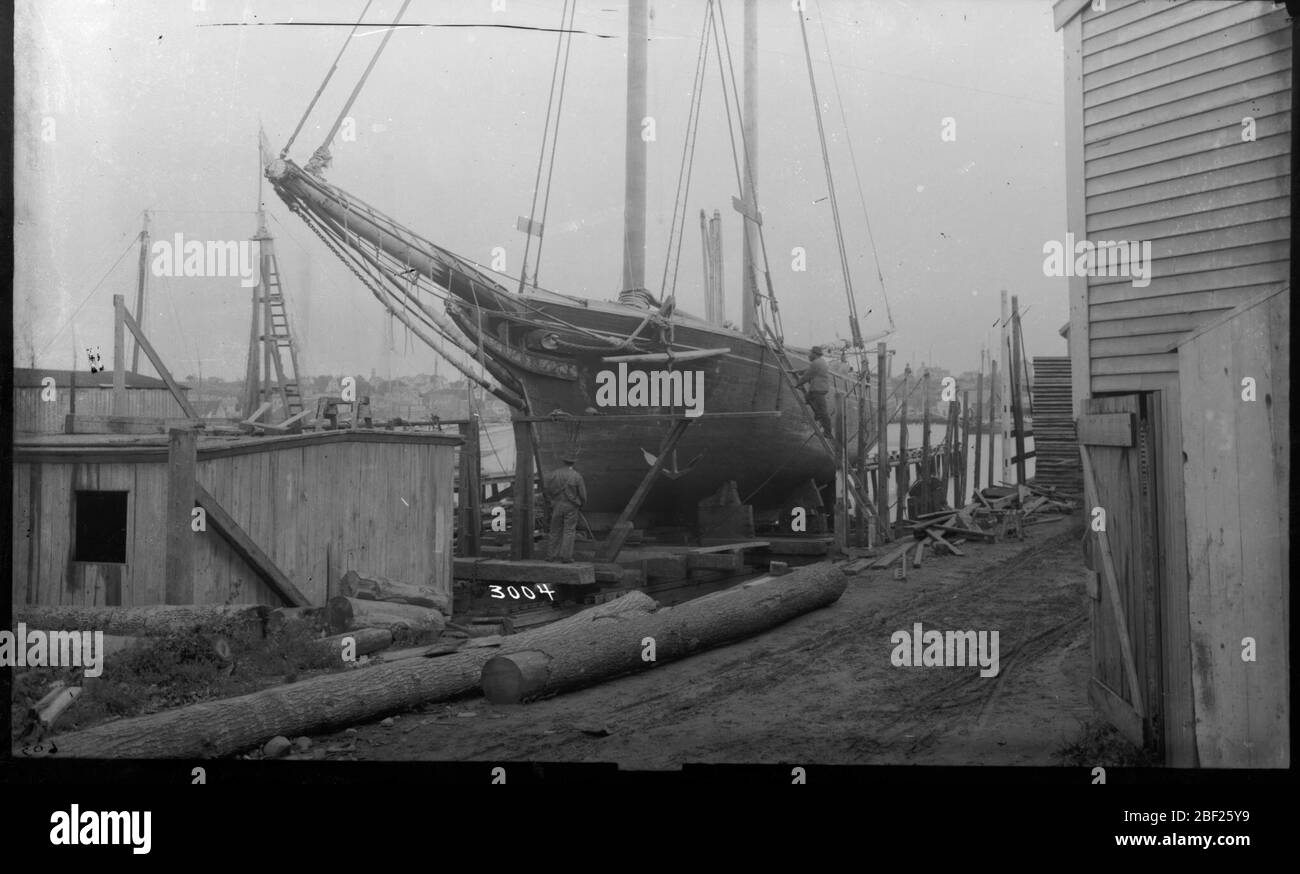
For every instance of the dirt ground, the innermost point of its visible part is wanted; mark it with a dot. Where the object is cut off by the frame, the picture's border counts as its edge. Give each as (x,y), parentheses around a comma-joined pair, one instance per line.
(819,689)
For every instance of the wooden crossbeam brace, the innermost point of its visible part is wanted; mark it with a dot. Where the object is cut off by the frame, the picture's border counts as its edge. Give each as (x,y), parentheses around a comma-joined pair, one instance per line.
(128,320)
(613,545)
(244,546)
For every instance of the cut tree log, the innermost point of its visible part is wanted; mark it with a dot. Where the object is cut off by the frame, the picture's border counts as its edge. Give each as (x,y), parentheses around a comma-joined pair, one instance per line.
(498,571)
(283,618)
(243,621)
(370,588)
(365,641)
(220,728)
(403,620)
(555,661)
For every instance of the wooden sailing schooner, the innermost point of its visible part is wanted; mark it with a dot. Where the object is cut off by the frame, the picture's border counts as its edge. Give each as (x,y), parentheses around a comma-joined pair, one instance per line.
(551,353)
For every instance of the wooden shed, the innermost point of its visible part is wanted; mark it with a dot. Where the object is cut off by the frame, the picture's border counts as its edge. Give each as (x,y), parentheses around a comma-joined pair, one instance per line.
(44,398)
(92,524)
(1179,134)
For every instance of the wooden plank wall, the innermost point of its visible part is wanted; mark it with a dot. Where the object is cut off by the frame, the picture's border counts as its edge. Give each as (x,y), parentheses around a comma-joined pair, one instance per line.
(321,510)
(378,508)
(1165,87)
(35,416)
(44,572)
(1236,479)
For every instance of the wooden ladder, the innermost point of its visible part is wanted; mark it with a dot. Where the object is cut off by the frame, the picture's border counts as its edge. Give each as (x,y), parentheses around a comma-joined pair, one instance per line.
(791,377)
(279,333)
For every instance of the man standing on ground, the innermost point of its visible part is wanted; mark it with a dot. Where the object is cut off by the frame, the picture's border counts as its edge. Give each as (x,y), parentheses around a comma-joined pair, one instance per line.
(818,378)
(567,493)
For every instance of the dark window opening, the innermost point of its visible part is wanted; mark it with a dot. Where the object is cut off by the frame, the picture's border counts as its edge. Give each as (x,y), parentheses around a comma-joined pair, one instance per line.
(101,527)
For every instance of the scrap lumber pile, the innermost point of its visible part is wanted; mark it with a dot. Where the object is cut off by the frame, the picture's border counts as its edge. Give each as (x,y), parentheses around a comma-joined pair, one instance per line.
(998,512)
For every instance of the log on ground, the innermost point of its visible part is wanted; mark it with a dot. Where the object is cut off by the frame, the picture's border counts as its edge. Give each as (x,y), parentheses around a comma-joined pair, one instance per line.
(372,588)
(220,728)
(574,657)
(243,621)
(364,641)
(405,621)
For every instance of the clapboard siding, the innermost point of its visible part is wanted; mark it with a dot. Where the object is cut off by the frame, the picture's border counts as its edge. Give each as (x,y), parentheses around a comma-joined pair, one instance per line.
(1177,167)
(1131,308)
(1106,44)
(1192,205)
(317,507)
(1110,66)
(35,416)
(1152,327)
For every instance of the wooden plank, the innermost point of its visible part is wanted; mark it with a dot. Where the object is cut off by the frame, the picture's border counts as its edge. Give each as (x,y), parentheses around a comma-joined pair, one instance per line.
(1256,300)
(729,546)
(181,460)
(158,365)
(609,550)
(258,413)
(798,545)
(1106,429)
(1116,711)
(976,533)
(893,555)
(665,357)
(940,540)
(224,524)
(1112,589)
(497,570)
(119,356)
(920,554)
(521,536)
(722,561)
(125,424)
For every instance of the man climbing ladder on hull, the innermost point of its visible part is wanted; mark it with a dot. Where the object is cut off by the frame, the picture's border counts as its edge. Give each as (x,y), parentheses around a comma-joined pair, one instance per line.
(818,379)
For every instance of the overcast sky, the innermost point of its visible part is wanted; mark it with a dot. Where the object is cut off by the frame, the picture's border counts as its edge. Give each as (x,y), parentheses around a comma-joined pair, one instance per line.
(126,106)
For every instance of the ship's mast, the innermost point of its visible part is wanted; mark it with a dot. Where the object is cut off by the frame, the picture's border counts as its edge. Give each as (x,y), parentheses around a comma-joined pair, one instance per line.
(749,272)
(634,289)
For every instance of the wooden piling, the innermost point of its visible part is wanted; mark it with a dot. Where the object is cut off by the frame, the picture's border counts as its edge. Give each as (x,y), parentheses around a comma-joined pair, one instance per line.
(979,408)
(924,476)
(882,441)
(1017,405)
(119,356)
(993,412)
(904,472)
(521,541)
(471,488)
(963,439)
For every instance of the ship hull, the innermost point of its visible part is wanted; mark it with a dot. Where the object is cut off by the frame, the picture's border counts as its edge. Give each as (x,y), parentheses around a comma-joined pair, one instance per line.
(767,457)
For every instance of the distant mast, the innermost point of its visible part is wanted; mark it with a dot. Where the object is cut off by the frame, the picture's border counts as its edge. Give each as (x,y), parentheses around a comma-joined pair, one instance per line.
(749,274)
(634,289)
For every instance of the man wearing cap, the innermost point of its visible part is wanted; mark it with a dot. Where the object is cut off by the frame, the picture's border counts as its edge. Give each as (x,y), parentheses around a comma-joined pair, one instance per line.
(818,378)
(567,493)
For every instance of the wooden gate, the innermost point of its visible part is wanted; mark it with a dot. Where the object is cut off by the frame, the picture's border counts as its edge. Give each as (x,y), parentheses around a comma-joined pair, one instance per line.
(1117,446)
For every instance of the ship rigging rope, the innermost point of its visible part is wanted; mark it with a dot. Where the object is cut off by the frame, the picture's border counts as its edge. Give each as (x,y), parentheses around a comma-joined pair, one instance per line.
(328,75)
(776,327)
(830,186)
(685,172)
(566,39)
(871,237)
(374,59)
(89,294)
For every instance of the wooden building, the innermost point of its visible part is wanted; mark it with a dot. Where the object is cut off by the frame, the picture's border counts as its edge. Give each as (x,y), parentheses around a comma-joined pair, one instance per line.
(38,410)
(92,524)
(1179,134)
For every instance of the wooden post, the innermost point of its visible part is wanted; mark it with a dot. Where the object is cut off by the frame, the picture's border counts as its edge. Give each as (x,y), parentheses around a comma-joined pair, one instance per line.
(979,408)
(142,270)
(1004,391)
(963,439)
(471,489)
(521,541)
(904,472)
(993,411)
(882,441)
(864,532)
(841,482)
(950,471)
(925,442)
(1017,404)
(178,553)
(119,356)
